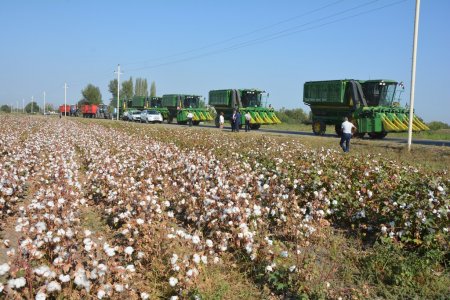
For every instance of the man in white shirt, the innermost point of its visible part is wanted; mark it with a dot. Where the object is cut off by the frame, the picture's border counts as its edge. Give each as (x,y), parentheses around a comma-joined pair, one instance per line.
(221,120)
(248,117)
(189,117)
(346,128)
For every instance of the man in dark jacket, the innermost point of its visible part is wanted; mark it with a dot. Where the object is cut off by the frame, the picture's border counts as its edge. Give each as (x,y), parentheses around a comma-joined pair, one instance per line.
(237,123)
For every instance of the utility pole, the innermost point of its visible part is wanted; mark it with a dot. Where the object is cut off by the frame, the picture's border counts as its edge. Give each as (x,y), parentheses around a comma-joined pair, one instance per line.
(413,74)
(17,106)
(118,89)
(23,105)
(44,103)
(32,100)
(65,99)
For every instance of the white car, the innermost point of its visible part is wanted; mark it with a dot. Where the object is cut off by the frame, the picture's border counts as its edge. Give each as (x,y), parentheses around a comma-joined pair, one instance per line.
(134,115)
(152,116)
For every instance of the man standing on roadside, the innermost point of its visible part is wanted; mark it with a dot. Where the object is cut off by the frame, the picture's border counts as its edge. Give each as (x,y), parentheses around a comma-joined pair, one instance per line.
(248,117)
(346,134)
(190,115)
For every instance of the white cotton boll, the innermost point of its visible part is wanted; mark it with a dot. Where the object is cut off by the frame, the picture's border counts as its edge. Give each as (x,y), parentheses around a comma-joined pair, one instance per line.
(284,254)
(118,288)
(4,268)
(204,259)
(196,258)
(102,269)
(174,259)
(173,281)
(269,269)
(131,268)
(64,278)
(81,280)
(100,294)
(292,268)
(145,296)
(195,239)
(174,298)
(41,270)
(190,272)
(167,203)
(69,233)
(140,221)
(17,283)
(40,226)
(129,250)
(61,201)
(140,254)
(41,296)
(209,243)
(53,286)
(265,186)
(1,287)
(87,232)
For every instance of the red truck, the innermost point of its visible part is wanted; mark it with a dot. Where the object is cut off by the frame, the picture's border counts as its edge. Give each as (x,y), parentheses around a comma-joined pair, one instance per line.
(89,110)
(64,110)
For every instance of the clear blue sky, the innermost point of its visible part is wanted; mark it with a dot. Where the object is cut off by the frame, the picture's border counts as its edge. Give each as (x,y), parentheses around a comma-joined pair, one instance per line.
(196,46)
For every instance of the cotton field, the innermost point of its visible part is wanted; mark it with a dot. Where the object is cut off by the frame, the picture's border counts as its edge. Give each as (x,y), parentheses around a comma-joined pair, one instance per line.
(100,210)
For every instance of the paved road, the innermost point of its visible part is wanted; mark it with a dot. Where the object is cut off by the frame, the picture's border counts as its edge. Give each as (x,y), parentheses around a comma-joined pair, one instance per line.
(397,140)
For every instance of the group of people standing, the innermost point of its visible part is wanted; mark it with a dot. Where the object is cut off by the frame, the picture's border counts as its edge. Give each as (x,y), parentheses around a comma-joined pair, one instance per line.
(236,121)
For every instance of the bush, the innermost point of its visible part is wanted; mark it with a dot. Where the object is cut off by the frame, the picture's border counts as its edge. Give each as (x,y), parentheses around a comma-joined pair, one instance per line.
(292,116)
(436,125)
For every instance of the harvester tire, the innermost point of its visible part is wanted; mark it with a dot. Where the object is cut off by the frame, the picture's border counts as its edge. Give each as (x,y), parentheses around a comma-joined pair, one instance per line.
(169,120)
(319,127)
(377,135)
(195,123)
(255,126)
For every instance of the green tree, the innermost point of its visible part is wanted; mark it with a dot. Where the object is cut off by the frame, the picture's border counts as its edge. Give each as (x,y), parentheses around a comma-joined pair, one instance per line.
(5,108)
(91,95)
(49,107)
(141,87)
(153,89)
(127,89)
(32,107)
(112,87)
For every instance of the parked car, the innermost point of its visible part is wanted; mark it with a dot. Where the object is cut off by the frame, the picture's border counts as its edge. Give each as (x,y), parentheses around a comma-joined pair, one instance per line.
(134,115)
(125,115)
(152,116)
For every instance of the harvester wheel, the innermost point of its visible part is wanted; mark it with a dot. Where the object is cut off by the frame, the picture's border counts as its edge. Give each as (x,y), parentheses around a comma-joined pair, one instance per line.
(169,120)
(255,126)
(377,135)
(318,127)
(195,123)
(338,130)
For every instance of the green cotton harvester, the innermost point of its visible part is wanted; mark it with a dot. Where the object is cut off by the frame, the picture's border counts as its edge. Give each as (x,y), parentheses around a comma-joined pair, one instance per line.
(156,104)
(246,100)
(179,106)
(369,104)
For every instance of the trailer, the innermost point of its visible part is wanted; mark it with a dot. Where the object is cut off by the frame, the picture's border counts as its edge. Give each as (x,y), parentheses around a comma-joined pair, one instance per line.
(89,110)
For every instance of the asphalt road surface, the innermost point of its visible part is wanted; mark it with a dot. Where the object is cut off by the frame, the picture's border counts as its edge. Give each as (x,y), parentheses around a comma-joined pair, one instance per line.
(397,140)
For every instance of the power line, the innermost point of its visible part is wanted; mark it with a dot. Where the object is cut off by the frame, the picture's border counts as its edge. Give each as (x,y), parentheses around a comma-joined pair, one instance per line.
(277,35)
(241,35)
